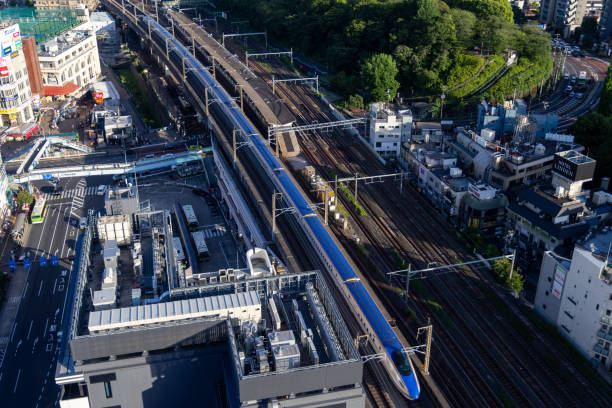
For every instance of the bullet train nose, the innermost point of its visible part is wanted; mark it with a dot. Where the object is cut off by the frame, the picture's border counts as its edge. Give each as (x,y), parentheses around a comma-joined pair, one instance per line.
(412,386)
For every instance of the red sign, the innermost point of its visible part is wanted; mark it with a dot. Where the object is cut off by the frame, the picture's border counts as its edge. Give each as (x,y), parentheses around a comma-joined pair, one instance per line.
(98,97)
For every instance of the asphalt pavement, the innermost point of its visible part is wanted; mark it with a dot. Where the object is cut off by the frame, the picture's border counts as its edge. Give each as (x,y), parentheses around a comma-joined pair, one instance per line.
(28,370)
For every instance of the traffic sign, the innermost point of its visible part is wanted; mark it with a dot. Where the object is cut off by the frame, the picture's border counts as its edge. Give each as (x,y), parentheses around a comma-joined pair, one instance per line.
(12,265)
(54,260)
(42,261)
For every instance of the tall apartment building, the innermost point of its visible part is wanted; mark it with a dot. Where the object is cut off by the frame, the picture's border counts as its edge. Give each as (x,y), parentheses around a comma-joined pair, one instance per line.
(576,295)
(605,20)
(566,14)
(69,61)
(15,93)
(389,128)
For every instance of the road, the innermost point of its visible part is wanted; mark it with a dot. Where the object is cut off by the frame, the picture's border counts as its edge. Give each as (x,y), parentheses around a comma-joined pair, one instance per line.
(28,370)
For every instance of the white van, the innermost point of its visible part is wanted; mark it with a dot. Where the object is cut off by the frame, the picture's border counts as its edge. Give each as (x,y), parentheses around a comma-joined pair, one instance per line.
(101,190)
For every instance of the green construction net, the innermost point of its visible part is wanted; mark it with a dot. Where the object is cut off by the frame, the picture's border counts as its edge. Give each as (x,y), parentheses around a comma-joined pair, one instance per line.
(40,23)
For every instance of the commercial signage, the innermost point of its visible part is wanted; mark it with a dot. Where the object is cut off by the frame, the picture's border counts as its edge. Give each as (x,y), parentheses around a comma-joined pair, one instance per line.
(98,97)
(14,54)
(558,282)
(10,98)
(572,170)
(9,111)
(4,71)
(10,39)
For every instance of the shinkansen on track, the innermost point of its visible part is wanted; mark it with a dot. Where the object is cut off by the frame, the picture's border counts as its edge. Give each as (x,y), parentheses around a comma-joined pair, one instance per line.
(397,364)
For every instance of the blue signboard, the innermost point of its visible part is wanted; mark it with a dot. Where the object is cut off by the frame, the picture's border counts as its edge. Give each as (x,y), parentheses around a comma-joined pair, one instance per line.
(54,260)
(42,261)
(12,265)
(7,51)
(27,263)
(47,177)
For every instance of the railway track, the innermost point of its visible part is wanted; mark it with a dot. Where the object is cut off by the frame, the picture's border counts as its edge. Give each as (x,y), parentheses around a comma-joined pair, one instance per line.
(452,252)
(529,390)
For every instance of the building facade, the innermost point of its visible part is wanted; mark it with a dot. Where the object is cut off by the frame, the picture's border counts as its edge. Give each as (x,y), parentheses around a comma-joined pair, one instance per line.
(69,61)
(576,295)
(90,4)
(388,129)
(564,14)
(15,93)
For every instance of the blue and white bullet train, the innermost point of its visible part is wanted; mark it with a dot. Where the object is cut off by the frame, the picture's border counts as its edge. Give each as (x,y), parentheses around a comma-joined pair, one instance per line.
(398,364)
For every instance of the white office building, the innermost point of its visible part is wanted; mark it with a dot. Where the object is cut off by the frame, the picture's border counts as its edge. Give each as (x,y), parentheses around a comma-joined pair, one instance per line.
(388,129)
(15,92)
(576,295)
(70,61)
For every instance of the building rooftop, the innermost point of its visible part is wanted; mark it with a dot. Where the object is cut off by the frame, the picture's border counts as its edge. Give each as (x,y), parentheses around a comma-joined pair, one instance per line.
(549,204)
(131,317)
(64,41)
(600,242)
(576,157)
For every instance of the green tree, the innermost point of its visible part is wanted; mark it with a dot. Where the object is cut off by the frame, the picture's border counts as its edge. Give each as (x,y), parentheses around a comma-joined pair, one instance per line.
(515,283)
(24,197)
(355,101)
(501,269)
(491,251)
(465,23)
(378,77)
(594,131)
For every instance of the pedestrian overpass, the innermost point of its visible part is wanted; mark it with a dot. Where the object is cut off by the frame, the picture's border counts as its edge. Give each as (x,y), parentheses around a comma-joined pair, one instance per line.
(41,148)
(167,161)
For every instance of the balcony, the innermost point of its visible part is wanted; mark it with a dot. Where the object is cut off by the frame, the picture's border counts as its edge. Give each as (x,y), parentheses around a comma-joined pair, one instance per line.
(600,350)
(605,334)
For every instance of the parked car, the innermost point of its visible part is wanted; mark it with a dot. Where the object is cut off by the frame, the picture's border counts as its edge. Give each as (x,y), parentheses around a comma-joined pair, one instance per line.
(572,94)
(568,89)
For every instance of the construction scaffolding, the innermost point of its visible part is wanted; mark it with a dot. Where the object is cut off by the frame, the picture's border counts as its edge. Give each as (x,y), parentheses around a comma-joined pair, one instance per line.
(43,24)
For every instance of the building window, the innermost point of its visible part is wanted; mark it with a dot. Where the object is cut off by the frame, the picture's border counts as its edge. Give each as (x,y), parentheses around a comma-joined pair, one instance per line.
(543,305)
(108,391)
(608,312)
(569,315)
(597,307)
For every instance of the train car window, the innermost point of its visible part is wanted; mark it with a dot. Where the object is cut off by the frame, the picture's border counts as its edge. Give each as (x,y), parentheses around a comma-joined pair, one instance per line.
(402,364)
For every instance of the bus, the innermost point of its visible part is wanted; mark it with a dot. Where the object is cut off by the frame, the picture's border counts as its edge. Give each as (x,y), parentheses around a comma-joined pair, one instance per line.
(582,78)
(200,244)
(192,221)
(39,210)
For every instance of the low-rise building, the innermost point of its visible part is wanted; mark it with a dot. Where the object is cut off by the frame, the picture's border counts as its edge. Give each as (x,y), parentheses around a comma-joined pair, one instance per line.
(502,119)
(504,165)
(69,62)
(576,295)
(389,128)
(15,92)
(548,217)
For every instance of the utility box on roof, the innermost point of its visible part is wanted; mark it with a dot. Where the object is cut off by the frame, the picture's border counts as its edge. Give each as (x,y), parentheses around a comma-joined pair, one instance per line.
(116,228)
(286,357)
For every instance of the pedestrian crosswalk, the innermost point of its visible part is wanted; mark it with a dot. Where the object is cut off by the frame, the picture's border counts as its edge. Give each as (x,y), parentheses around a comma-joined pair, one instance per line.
(79,191)
(214,232)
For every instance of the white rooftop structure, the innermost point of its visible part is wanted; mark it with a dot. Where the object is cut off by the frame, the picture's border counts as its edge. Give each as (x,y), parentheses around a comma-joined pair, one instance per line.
(105,298)
(108,90)
(279,338)
(258,262)
(243,306)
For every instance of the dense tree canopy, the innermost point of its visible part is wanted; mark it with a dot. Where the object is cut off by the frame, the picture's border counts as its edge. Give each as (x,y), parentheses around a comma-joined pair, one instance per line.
(425,37)
(378,77)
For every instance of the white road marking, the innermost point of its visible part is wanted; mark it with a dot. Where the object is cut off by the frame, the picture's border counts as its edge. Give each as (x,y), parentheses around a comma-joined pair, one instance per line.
(54,285)
(17,381)
(46,325)
(13,331)
(40,288)
(30,330)
(35,343)
(25,289)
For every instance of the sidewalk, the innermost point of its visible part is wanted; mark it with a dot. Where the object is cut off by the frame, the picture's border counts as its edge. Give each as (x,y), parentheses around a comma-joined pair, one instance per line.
(9,309)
